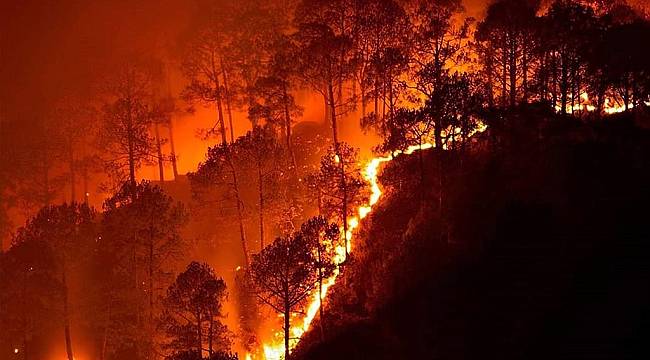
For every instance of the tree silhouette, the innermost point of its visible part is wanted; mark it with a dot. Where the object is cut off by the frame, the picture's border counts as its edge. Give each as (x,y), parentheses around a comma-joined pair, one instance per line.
(380,50)
(202,67)
(323,237)
(76,129)
(284,274)
(324,39)
(127,118)
(341,185)
(218,177)
(192,313)
(144,224)
(260,155)
(274,102)
(31,290)
(506,38)
(64,227)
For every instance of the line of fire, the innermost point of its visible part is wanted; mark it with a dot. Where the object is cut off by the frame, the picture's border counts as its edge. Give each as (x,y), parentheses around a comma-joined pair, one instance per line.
(324,179)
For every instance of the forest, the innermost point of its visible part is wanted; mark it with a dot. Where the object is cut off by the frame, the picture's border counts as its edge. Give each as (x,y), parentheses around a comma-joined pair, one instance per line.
(324,179)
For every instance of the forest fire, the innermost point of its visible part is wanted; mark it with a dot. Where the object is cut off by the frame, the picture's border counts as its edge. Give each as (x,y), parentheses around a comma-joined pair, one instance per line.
(194,180)
(611,105)
(275,350)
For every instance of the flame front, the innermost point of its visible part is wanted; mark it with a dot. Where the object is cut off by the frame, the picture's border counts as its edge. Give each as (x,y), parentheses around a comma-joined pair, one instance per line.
(611,105)
(275,350)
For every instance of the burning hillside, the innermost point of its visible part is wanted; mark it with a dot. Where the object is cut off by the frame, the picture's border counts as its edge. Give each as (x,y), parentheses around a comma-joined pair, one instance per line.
(216,180)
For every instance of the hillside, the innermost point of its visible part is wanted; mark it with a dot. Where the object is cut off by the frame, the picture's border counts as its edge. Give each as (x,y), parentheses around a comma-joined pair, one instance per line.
(541,251)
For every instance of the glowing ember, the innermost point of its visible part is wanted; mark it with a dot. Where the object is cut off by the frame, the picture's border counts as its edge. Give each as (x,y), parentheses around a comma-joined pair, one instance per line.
(275,350)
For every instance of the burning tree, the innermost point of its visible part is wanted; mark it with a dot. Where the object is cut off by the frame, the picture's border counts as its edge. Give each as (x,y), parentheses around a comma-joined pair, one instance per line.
(192,313)
(284,274)
(323,237)
(340,185)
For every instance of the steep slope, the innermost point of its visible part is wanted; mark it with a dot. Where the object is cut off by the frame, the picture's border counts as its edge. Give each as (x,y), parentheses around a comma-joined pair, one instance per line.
(541,251)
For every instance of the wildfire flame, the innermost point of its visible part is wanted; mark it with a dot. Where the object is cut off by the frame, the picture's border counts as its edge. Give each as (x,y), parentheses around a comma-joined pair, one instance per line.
(611,105)
(275,350)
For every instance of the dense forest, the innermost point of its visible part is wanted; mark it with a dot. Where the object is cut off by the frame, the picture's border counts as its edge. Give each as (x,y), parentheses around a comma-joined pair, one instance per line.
(324,179)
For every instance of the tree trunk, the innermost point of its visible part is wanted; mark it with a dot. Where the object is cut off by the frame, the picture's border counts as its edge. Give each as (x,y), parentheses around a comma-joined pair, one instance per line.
(287,329)
(260,190)
(327,107)
(421,164)
(240,210)
(151,251)
(199,333)
(441,194)
(345,208)
(73,176)
(555,79)
(131,146)
(85,183)
(320,291)
(564,84)
(543,74)
(513,71)
(217,88)
(66,317)
(504,74)
(626,93)
(579,88)
(25,320)
(391,107)
(161,167)
(173,148)
(105,333)
(332,107)
(227,94)
(46,178)
(342,169)
(287,125)
(524,54)
(210,335)
(376,98)
(490,76)
(383,101)
(364,100)
(437,135)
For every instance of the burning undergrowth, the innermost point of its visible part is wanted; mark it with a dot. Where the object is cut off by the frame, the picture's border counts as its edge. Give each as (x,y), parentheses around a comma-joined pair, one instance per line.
(508,263)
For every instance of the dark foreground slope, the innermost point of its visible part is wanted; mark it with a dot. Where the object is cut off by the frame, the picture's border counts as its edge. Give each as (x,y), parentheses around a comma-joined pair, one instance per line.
(542,252)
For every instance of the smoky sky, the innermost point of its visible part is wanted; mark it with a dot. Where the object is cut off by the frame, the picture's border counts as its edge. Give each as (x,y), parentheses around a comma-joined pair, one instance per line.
(52,47)
(49,48)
